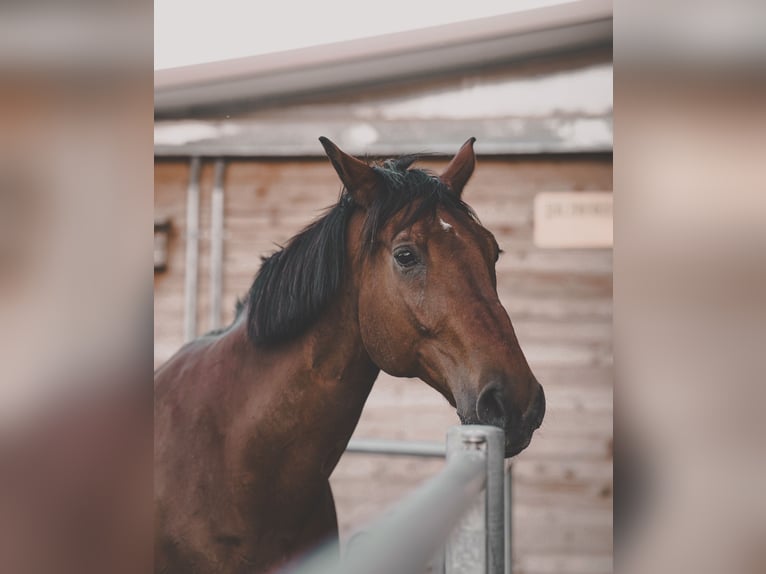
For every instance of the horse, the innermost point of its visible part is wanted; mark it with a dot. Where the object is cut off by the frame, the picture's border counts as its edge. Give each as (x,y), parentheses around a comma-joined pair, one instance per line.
(398,275)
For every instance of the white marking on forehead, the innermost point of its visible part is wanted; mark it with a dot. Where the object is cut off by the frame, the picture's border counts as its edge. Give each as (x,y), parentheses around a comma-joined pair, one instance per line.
(445,226)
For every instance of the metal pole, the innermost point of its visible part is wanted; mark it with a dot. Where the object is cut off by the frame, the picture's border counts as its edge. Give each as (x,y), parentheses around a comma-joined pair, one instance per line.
(192,251)
(396,447)
(477,545)
(496,500)
(216,246)
(407,536)
(508,520)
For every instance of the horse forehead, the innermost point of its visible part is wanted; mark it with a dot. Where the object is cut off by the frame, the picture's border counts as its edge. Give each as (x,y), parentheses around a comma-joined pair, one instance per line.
(450,230)
(458,236)
(446,223)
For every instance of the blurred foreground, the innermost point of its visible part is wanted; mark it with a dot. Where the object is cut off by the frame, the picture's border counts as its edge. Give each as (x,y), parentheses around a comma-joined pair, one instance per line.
(75,287)
(690,284)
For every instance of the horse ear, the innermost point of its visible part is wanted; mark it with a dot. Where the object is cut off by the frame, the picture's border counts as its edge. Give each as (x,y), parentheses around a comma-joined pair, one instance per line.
(358,177)
(459,170)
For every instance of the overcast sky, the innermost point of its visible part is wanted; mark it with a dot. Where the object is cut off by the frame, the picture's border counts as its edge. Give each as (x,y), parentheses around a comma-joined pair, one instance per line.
(191,32)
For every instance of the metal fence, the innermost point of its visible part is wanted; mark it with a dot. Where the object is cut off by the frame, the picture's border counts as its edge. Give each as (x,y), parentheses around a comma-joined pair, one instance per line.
(396,447)
(459,520)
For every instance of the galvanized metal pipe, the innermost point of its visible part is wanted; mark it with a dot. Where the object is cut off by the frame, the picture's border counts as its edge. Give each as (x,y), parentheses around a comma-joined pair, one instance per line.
(464,504)
(406,538)
(192,251)
(477,544)
(216,246)
(508,520)
(396,447)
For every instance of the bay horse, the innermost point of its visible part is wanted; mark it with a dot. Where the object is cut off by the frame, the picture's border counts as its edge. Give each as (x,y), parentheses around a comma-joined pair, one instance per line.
(250,422)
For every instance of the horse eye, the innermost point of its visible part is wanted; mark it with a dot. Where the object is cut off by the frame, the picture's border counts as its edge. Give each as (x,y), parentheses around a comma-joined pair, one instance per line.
(405,257)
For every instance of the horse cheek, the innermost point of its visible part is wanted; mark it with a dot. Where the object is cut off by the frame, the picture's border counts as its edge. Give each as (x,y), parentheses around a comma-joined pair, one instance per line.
(388,346)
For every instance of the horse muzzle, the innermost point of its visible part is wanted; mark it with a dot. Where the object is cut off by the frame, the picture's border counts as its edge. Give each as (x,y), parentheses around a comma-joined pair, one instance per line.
(495,408)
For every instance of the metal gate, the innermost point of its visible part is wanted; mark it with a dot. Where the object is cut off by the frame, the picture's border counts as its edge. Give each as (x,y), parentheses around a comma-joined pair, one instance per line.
(459,520)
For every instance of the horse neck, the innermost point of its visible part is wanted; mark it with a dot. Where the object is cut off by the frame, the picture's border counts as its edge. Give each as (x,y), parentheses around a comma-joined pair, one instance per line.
(332,353)
(319,383)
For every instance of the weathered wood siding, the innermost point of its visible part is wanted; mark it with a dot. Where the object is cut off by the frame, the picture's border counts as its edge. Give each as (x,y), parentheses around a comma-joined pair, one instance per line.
(560,302)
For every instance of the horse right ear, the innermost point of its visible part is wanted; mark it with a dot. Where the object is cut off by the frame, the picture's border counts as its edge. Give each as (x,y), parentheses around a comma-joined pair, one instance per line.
(360,179)
(461,167)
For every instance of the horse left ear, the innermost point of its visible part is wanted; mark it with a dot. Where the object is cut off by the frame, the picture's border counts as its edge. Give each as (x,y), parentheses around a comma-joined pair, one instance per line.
(459,170)
(360,179)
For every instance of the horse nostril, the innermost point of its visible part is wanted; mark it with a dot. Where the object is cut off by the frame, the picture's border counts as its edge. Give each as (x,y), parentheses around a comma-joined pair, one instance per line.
(490,406)
(537,410)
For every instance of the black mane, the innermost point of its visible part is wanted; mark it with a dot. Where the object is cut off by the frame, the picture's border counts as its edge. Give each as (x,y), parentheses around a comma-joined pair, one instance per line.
(297,282)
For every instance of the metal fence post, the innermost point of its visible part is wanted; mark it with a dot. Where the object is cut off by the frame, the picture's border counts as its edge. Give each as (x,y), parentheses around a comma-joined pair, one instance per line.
(216,245)
(192,251)
(509,520)
(477,545)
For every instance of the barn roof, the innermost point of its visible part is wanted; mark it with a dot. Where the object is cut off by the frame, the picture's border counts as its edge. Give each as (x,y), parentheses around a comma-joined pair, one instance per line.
(369,61)
(537,81)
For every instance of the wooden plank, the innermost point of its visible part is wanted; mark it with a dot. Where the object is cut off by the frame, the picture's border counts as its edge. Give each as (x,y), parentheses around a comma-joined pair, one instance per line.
(572,563)
(555,308)
(544,474)
(562,530)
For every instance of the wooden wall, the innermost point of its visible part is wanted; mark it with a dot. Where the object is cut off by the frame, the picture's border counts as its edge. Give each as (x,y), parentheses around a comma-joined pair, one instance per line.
(560,302)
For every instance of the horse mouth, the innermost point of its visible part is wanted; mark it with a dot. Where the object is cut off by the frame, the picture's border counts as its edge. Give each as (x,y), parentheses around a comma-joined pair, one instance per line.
(514,448)
(515,442)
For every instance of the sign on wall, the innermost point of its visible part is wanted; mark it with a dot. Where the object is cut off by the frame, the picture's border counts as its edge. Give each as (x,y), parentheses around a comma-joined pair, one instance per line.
(573,219)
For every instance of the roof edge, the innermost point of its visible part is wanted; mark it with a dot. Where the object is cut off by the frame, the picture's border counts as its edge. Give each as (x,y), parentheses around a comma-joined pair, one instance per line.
(379,59)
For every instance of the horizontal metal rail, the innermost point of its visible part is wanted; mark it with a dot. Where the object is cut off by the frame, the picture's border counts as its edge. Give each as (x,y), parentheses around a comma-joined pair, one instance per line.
(396,447)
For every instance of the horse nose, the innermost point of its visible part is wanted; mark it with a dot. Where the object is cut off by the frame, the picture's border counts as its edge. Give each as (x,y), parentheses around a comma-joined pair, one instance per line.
(534,416)
(490,406)
(493,408)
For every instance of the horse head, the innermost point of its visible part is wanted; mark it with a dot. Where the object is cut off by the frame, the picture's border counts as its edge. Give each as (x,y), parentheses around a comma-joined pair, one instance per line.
(428,306)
